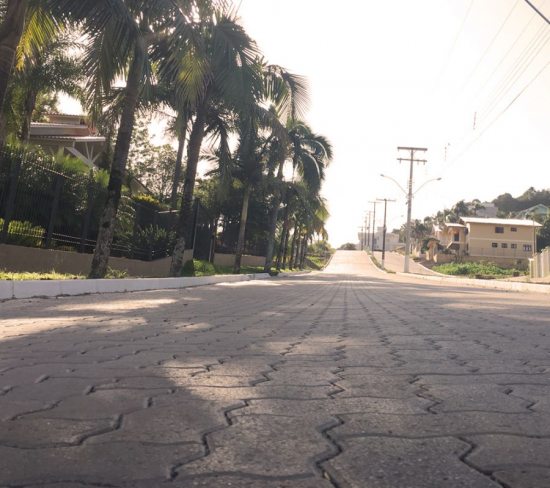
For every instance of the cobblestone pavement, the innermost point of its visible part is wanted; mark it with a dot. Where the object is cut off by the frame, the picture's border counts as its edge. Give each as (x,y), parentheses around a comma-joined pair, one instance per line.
(395,262)
(348,378)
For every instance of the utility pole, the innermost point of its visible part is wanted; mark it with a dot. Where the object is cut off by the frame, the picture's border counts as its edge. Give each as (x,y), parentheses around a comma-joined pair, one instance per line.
(385,229)
(373,224)
(367,236)
(411,160)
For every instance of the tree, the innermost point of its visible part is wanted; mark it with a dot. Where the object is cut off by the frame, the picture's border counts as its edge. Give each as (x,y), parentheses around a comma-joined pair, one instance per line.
(543,235)
(222,70)
(310,154)
(11,30)
(45,70)
(152,165)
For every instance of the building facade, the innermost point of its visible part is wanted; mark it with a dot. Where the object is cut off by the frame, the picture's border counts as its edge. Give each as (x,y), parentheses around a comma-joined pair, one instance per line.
(484,239)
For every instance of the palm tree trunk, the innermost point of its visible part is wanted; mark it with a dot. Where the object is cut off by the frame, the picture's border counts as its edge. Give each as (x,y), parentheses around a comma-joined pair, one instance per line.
(273,218)
(178,168)
(242,230)
(304,252)
(107,223)
(185,220)
(11,31)
(284,239)
(293,247)
(285,248)
(30,105)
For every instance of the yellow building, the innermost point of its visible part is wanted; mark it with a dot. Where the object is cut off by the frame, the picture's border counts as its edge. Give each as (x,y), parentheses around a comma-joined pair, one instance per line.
(491,239)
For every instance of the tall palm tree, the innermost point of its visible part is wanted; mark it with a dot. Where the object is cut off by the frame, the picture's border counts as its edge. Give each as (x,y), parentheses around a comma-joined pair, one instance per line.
(46,70)
(11,30)
(221,69)
(310,154)
(121,33)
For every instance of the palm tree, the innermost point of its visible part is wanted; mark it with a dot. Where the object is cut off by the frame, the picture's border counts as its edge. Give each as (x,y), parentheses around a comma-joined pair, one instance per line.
(121,33)
(11,30)
(221,70)
(46,70)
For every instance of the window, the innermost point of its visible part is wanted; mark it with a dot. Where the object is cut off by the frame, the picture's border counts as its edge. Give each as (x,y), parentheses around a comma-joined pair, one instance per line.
(499,230)
(527,247)
(514,246)
(457,237)
(514,229)
(504,245)
(494,244)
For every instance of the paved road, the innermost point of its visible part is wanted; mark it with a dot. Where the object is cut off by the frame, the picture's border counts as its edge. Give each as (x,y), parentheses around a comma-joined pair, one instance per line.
(349,378)
(395,262)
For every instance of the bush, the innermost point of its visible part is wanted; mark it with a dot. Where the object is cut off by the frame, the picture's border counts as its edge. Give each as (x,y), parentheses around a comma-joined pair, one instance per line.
(480,269)
(24,233)
(155,241)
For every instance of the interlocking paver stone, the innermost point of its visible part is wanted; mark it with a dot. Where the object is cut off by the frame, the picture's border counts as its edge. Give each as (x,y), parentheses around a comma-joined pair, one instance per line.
(346,378)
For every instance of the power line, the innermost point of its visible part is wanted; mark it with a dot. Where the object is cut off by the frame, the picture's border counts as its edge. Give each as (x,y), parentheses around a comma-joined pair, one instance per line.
(509,50)
(495,120)
(507,83)
(537,11)
(523,62)
(488,48)
(453,46)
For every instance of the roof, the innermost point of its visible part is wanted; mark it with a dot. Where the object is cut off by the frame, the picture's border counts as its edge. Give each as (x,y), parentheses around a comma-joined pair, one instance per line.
(452,224)
(70,138)
(513,222)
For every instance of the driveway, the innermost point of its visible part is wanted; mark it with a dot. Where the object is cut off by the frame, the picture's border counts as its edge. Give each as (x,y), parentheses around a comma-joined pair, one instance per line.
(346,378)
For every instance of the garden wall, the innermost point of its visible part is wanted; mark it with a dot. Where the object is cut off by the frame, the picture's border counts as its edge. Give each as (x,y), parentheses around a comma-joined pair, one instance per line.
(229,260)
(21,259)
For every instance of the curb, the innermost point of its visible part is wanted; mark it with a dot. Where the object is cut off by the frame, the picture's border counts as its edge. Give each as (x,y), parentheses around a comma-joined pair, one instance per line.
(10,290)
(488,284)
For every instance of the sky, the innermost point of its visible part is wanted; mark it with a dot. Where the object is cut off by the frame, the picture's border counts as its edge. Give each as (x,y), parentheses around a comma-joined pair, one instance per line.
(463,78)
(416,73)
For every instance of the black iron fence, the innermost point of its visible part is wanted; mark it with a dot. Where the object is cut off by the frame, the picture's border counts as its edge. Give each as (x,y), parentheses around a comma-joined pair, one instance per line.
(54,206)
(45,205)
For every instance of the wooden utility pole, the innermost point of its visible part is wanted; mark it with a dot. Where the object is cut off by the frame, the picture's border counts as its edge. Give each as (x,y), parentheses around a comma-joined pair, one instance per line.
(385,229)
(373,223)
(411,160)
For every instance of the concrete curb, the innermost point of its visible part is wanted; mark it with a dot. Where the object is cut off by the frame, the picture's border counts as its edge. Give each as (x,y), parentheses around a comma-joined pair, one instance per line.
(489,284)
(10,290)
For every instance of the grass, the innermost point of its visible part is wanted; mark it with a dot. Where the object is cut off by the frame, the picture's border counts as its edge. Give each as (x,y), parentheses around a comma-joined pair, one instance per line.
(5,275)
(198,267)
(477,270)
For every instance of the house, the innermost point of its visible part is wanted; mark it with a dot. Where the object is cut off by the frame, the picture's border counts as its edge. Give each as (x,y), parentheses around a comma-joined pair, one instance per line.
(70,135)
(535,212)
(474,238)
(392,240)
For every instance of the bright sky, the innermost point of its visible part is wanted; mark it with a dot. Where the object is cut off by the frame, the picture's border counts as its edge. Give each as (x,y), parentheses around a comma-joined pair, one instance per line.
(387,74)
(414,73)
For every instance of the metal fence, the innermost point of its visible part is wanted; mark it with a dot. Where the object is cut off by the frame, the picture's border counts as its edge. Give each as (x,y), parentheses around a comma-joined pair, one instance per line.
(46,205)
(41,205)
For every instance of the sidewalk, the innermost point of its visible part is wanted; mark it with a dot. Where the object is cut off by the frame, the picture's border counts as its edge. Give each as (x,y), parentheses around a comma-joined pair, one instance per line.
(395,262)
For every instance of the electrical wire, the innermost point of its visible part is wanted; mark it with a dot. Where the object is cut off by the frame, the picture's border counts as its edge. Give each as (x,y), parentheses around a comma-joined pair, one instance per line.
(497,118)
(490,45)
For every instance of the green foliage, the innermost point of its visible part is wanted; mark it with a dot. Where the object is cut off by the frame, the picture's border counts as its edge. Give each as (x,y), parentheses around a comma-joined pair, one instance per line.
(116,274)
(320,247)
(24,233)
(348,246)
(155,241)
(479,269)
(543,235)
(12,276)
(506,203)
(154,166)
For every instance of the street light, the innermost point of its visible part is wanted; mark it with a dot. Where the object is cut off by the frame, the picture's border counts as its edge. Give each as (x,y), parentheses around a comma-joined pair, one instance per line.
(410,194)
